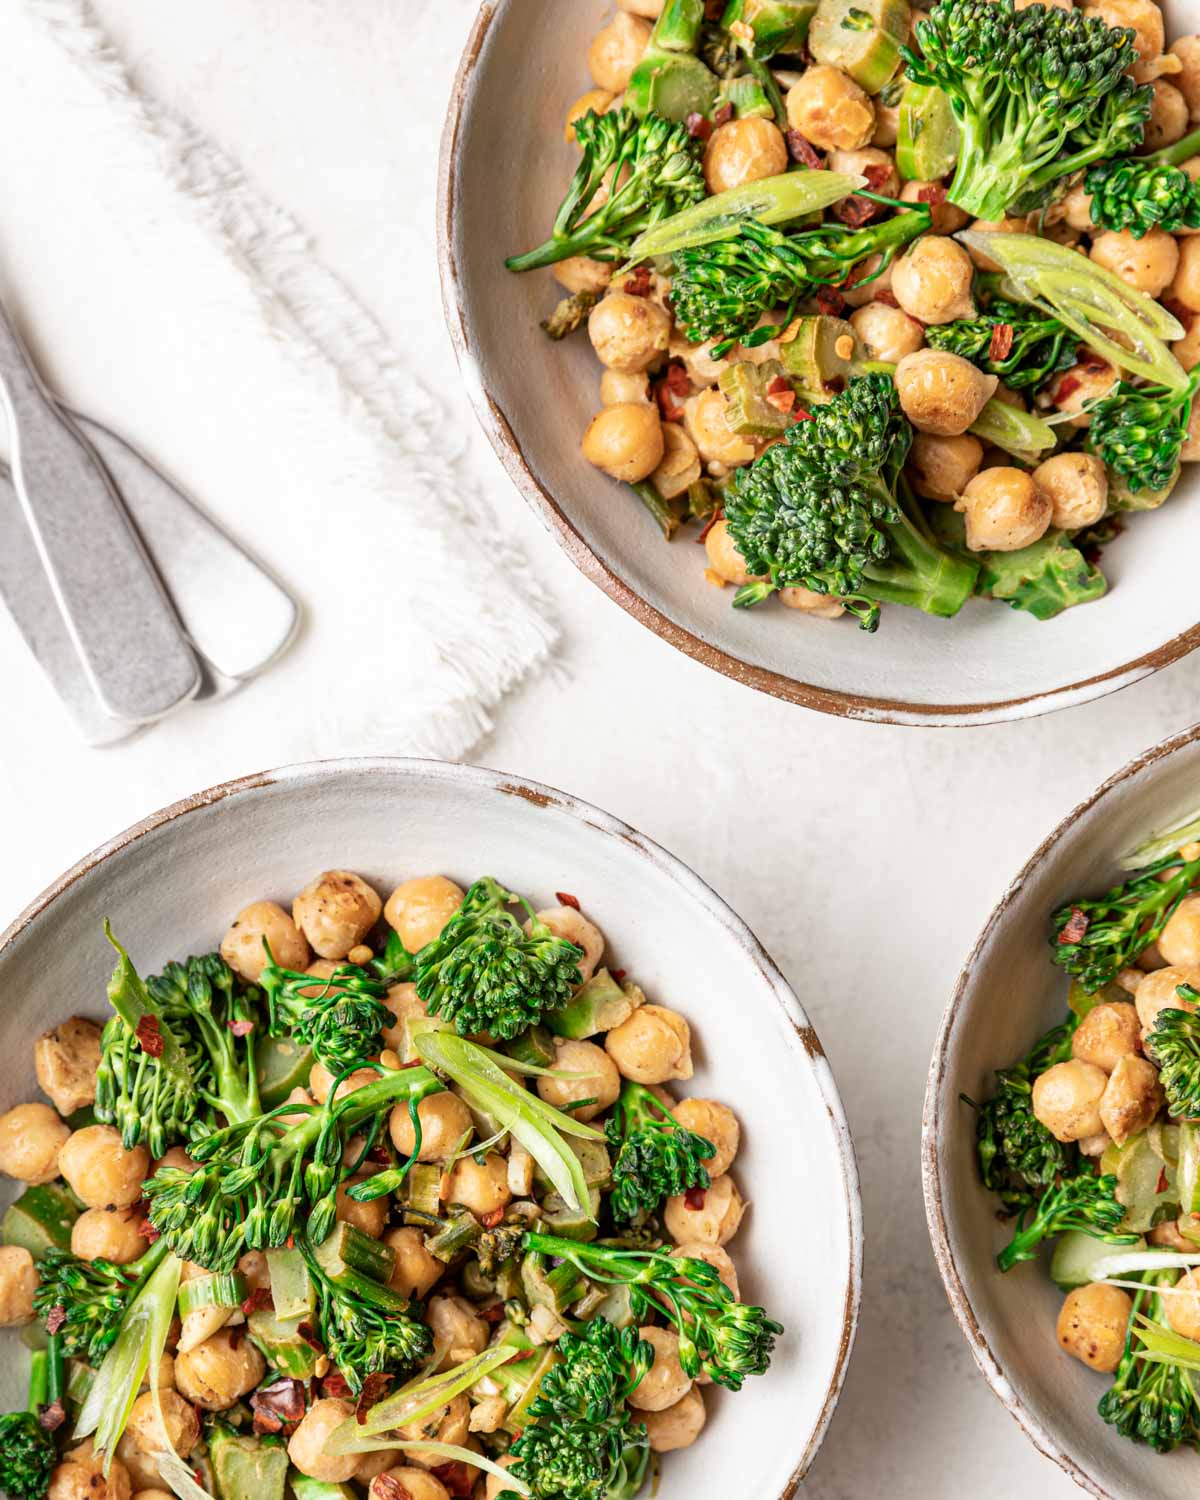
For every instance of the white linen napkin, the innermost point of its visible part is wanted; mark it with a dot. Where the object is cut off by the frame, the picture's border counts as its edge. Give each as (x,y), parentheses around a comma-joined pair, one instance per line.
(162,294)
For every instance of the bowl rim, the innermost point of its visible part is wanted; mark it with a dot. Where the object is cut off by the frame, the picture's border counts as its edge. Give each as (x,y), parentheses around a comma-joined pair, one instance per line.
(503,439)
(543,796)
(931,1173)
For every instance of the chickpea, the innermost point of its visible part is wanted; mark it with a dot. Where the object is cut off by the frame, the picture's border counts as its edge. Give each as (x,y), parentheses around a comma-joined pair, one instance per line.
(1190,451)
(1092,1324)
(744,151)
(680,467)
(320,1081)
(372,1465)
(108,1234)
(416,1484)
(371,1218)
(829,109)
(653,1046)
(1168,1236)
(595,101)
(482,1189)
(1066,1099)
(219,1371)
(152,1495)
(942,467)
(66,1061)
(178,1159)
(1076,210)
(625,441)
(714,1256)
(1185,287)
(1080,387)
(263,922)
(887,124)
(417,910)
(1187,349)
(723,556)
(616,51)
(1168,120)
(706,418)
(18,1282)
(1132,1098)
(444,1118)
(99,1170)
(714,1220)
(178,1417)
(1183,1307)
(932,281)
(1147,264)
(1095,1145)
(1187,79)
(676,1426)
(582,1057)
(565,922)
(864,163)
(718,1124)
(31,1136)
(143,1471)
(619,389)
(1005,511)
(944,217)
(1076,484)
(1159,991)
(255,1267)
(887,333)
(866,282)
(405,1005)
(1179,941)
(1108,1032)
(451,1424)
(456,1328)
(628,333)
(335,912)
(1146,21)
(808,602)
(1008,225)
(664,1383)
(82,1478)
(416,1272)
(942,393)
(306,1446)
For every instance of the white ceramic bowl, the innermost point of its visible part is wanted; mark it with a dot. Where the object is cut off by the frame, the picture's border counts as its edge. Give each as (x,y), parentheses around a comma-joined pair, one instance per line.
(1008,994)
(171,884)
(505,167)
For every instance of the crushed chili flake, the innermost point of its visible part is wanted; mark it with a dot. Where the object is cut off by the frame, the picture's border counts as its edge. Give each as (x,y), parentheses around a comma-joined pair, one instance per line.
(888,298)
(267,1424)
(335,1384)
(781,400)
(305,1332)
(148,1231)
(857,210)
(830,301)
(638,283)
(374,1388)
(1075,928)
(804,151)
(283,1398)
(240,1028)
(714,9)
(236,1335)
(150,1038)
(493,1314)
(673,390)
(695,1198)
(780,383)
(259,1297)
(800,415)
(699,126)
(723,115)
(457,1477)
(933,193)
(716,516)
(379,1153)
(618,974)
(387,1487)
(52,1417)
(564,898)
(1161,1185)
(1087,358)
(490,1220)
(1067,386)
(55,1319)
(1003,335)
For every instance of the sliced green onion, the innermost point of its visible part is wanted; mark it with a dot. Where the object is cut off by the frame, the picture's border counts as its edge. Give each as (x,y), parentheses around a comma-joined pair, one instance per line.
(227,1290)
(1161,1345)
(414,1402)
(1017,432)
(1159,845)
(179,1476)
(529,1070)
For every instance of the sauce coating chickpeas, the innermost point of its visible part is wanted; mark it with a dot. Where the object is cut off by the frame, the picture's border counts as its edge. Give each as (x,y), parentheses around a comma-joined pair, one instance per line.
(932,280)
(665,1382)
(616,50)
(743,151)
(31,1136)
(625,441)
(653,1046)
(335,912)
(263,923)
(417,910)
(829,109)
(1066,1099)
(598,1079)
(98,1169)
(1092,1324)
(1004,510)
(628,333)
(942,393)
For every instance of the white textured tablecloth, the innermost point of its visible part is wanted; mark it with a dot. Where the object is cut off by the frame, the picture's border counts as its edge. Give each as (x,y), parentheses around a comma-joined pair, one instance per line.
(820,832)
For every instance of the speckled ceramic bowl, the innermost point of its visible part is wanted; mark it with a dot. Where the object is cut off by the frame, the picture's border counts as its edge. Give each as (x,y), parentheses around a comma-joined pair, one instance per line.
(171,884)
(1008,994)
(505,167)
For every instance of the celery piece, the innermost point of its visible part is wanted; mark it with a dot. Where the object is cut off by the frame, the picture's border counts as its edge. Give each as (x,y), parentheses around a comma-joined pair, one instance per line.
(281,1065)
(225,1290)
(927,137)
(1017,432)
(534,1046)
(821,353)
(861,37)
(745,387)
(670,79)
(40,1220)
(247,1467)
(598,1005)
(292,1293)
(764,27)
(347,1255)
(281,1346)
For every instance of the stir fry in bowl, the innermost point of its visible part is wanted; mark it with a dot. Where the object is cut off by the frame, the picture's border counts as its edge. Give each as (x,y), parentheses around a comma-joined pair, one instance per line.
(1093,1140)
(900,307)
(406,1204)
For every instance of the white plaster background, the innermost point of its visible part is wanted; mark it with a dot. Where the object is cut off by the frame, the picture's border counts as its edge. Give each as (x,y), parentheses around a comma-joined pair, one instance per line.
(866,858)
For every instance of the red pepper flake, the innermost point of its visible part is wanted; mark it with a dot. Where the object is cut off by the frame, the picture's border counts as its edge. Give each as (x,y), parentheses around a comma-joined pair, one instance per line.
(1178,310)
(695,1198)
(564,898)
(638,283)
(148,1232)
(1161,1185)
(379,1154)
(267,1424)
(387,1487)
(457,1477)
(857,210)
(259,1297)
(55,1319)
(51,1417)
(1067,386)
(336,1385)
(490,1220)
(240,1028)
(723,115)
(1003,335)
(781,396)
(804,151)
(150,1038)
(714,9)
(933,193)
(699,127)
(493,1314)
(1075,928)
(618,974)
(673,390)
(800,415)
(374,1388)
(888,298)
(283,1399)
(716,516)
(305,1331)
(290,1242)
(236,1335)
(1087,358)
(831,302)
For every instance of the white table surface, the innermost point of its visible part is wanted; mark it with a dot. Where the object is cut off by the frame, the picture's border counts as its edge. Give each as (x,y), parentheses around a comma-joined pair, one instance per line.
(866,858)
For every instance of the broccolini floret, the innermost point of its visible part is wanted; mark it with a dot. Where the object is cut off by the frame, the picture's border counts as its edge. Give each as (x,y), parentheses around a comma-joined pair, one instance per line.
(1152,1399)
(84,1301)
(1021,345)
(28,1453)
(1139,431)
(341,1018)
(1085,1202)
(655,1157)
(1175,1047)
(1141,193)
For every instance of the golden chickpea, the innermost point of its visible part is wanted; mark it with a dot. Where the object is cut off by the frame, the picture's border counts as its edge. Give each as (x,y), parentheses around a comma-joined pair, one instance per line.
(744,151)
(1080,387)
(616,51)
(718,1124)
(108,1234)
(219,1371)
(371,1218)
(306,1446)
(941,467)
(942,393)
(808,602)
(416,1484)
(1108,1032)
(625,441)
(372,1465)
(1005,511)
(1066,1099)
(676,1426)
(595,101)
(143,1472)
(445,1120)
(263,922)
(1132,1098)
(1179,942)
(1190,451)
(482,1189)
(680,467)
(579,273)
(1183,1306)
(1008,225)
(18,1282)
(1148,265)
(416,1272)
(456,1328)
(571,925)
(709,1216)
(829,109)
(653,1046)
(1159,991)
(66,1061)
(1168,120)
(320,1081)
(887,333)
(1075,210)
(335,912)
(405,1005)
(31,1136)
(1076,484)
(619,389)
(628,333)
(255,1267)
(98,1169)
(582,1058)
(178,1417)
(82,1478)
(1168,1236)
(706,417)
(664,1383)
(1187,50)
(932,280)
(1092,1324)
(417,910)
(452,1424)
(1146,21)
(714,1256)
(944,217)
(887,124)
(152,1495)
(1185,287)
(1187,349)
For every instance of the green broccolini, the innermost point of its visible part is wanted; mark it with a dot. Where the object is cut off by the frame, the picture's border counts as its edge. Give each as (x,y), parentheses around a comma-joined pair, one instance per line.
(1175,1047)
(1084,1202)
(649,168)
(1152,1399)
(1141,193)
(84,1301)
(1039,94)
(341,1018)
(364,1326)
(1030,348)
(655,1157)
(28,1453)
(1139,431)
